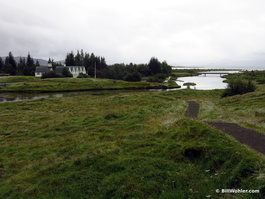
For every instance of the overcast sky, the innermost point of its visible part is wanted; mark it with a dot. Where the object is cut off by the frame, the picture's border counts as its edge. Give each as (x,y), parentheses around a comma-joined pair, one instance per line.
(182,32)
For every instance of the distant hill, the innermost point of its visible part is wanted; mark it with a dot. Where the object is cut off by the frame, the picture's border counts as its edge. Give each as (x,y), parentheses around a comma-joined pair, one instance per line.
(41,61)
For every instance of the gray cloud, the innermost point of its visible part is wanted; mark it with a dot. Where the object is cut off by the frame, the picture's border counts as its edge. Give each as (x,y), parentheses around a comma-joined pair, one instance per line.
(182,32)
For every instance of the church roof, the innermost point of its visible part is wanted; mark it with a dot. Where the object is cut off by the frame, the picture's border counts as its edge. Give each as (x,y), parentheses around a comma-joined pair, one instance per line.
(42,69)
(59,69)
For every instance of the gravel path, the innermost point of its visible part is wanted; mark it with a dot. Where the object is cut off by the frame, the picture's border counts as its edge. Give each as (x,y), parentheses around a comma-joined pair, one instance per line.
(250,137)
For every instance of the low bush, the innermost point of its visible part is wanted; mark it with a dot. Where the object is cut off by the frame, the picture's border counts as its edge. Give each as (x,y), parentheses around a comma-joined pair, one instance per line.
(66,72)
(160,77)
(133,77)
(82,75)
(239,87)
(261,81)
(51,74)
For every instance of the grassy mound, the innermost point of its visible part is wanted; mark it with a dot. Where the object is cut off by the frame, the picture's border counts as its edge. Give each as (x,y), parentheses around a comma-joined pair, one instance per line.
(127,145)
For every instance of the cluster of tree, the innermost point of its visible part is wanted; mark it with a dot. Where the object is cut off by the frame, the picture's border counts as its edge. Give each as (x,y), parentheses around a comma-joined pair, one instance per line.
(23,67)
(127,72)
(154,70)
(89,61)
(159,70)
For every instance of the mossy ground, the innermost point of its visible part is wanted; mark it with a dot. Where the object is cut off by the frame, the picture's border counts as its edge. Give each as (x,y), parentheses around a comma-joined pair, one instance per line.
(122,145)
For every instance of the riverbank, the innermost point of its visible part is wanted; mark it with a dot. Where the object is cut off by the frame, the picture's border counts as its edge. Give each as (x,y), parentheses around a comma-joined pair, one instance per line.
(37,85)
(127,145)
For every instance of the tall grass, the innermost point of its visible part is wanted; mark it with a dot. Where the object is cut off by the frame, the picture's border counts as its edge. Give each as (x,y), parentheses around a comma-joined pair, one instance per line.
(247,110)
(32,84)
(127,145)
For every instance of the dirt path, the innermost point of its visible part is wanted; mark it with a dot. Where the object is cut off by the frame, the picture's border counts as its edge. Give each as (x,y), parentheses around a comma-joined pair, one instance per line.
(250,137)
(166,81)
(193,109)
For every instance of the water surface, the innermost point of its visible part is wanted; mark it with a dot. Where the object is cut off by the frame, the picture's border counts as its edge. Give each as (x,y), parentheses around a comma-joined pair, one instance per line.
(206,82)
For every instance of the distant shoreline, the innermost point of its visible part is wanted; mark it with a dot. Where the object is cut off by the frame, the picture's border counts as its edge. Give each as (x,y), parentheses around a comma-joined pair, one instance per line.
(249,68)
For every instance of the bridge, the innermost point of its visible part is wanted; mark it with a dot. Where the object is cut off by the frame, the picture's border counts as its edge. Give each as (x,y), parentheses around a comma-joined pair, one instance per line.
(215,73)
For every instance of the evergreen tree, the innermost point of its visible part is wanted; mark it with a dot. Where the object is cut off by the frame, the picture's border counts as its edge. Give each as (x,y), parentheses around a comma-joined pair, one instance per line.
(92,59)
(30,61)
(1,65)
(86,61)
(37,63)
(21,66)
(165,68)
(30,70)
(78,59)
(102,63)
(82,55)
(10,65)
(70,59)
(155,66)
(91,65)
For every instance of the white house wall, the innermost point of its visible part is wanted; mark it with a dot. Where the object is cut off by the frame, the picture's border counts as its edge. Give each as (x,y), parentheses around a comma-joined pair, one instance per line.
(38,74)
(75,70)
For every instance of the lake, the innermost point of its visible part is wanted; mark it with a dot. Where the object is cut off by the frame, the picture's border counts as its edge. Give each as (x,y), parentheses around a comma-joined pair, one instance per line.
(205,82)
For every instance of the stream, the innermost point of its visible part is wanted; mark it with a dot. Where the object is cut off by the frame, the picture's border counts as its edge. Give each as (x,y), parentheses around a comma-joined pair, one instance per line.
(203,82)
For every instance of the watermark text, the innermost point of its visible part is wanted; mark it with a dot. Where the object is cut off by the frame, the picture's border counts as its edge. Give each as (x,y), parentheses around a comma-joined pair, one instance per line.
(236,191)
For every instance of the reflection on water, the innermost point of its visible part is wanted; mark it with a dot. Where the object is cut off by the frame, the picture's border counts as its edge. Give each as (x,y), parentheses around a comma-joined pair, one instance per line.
(206,82)
(15,97)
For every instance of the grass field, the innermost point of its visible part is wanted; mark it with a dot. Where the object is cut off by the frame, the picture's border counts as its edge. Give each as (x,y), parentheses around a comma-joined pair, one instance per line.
(32,84)
(127,145)
(247,110)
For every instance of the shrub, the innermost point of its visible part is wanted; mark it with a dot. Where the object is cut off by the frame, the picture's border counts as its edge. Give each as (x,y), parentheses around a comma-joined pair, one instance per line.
(82,75)
(133,77)
(66,72)
(160,77)
(188,84)
(238,87)
(51,74)
(261,81)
